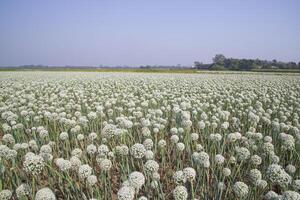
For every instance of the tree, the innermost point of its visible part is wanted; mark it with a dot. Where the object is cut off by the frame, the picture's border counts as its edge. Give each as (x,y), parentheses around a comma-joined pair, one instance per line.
(219,59)
(197,64)
(217,67)
(291,65)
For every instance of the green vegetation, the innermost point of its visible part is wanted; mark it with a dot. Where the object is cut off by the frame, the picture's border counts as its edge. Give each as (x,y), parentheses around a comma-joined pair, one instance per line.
(220,62)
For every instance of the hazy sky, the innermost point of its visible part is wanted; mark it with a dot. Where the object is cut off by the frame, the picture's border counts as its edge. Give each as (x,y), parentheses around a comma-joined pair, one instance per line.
(139,32)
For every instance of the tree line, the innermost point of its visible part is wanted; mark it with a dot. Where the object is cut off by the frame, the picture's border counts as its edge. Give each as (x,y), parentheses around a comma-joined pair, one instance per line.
(220,62)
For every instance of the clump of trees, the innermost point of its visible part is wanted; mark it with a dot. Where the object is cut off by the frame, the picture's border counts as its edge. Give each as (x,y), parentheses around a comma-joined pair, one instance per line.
(220,62)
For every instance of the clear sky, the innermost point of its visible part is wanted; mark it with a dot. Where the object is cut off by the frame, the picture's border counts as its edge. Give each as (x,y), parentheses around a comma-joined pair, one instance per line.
(139,32)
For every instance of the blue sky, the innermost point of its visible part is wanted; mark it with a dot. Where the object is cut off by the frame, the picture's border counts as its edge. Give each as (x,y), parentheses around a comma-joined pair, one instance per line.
(139,32)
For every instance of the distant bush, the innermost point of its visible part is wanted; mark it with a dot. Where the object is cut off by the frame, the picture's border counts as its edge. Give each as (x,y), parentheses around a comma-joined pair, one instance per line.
(220,62)
(217,67)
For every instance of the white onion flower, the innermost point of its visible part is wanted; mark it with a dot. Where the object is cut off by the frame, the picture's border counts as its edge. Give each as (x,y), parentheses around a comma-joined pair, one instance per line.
(23,191)
(138,150)
(240,189)
(84,171)
(45,194)
(126,193)
(180,193)
(189,173)
(151,166)
(136,180)
(33,164)
(276,175)
(5,195)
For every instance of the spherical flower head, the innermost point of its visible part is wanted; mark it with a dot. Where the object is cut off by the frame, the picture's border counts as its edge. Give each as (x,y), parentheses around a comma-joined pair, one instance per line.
(84,171)
(276,175)
(45,194)
(174,139)
(75,163)
(43,133)
(24,145)
(154,185)
(103,149)
(138,150)
(105,164)
(186,123)
(92,136)
(91,149)
(214,125)
(33,164)
(180,193)
(287,140)
(189,173)
(63,136)
(63,164)
(290,195)
(92,115)
(122,150)
(126,193)
(149,155)
(274,158)
(146,132)
(156,130)
(268,139)
(240,189)
(201,125)
(199,147)
(242,153)
(179,177)
(161,143)
(76,152)
(151,166)
(180,146)
(5,195)
(91,180)
(23,191)
(8,139)
(221,186)
(111,154)
(291,169)
(108,131)
(148,144)
(156,176)
(232,160)
(256,160)
(232,137)
(225,125)
(80,137)
(296,185)
(255,176)
(226,172)
(17,147)
(203,159)
(262,184)
(136,180)
(143,198)
(271,195)
(194,136)
(46,156)
(33,145)
(268,148)
(173,130)
(11,154)
(219,159)
(46,149)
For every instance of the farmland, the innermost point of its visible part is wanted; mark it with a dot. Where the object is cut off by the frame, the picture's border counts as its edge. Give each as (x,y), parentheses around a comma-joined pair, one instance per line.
(117,135)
